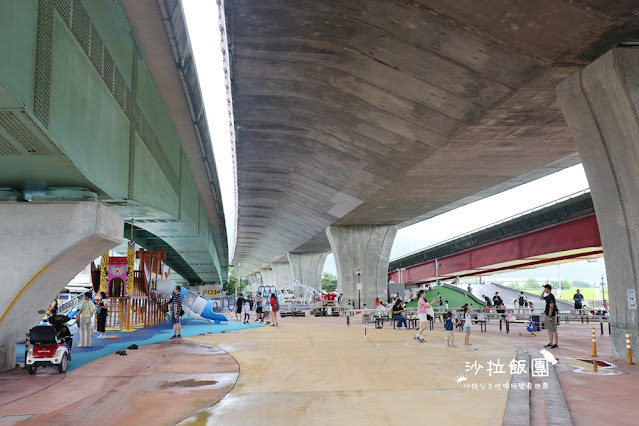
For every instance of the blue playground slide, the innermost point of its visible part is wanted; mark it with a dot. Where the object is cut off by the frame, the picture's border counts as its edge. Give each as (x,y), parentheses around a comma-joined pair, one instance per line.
(194,305)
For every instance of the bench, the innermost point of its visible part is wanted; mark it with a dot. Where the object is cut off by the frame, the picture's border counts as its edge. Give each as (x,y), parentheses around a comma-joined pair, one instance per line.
(411,323)
(292,314)
(595,318)
(539,321)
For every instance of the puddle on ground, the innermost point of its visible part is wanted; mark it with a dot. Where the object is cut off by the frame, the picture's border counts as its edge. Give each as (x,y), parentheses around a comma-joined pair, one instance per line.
(591,366)
(189,383)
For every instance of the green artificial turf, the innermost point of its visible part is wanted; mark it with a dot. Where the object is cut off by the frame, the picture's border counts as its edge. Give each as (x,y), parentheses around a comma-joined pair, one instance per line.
(456,298)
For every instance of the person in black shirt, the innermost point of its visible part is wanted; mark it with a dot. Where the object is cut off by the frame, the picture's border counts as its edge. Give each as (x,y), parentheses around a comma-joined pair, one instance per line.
(551,316)
(398,311)
(489,302)
(238,306)
(497,301)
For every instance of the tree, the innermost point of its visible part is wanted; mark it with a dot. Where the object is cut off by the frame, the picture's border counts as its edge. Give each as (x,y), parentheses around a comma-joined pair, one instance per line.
(565,285)
(329,282)
(531,283)
(229,287)
(582,284)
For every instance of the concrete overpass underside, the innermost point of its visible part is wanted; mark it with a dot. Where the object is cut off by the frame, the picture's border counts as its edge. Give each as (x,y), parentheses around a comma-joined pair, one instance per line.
(376,112)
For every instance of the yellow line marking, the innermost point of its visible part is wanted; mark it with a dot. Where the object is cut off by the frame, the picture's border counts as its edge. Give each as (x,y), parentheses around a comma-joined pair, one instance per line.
(19,294)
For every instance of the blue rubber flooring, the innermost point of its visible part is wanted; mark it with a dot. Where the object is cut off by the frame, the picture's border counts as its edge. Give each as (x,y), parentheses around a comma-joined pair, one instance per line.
(116,341)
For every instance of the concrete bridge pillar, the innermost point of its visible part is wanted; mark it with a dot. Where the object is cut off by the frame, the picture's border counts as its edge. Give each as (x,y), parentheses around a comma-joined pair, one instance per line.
(601,106)
(365,249)
(267,277)
(282,274)
(308,268)
(42,247)
(255,280)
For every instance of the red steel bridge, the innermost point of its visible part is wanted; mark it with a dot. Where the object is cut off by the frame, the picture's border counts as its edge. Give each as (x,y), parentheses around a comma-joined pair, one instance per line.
(563,231)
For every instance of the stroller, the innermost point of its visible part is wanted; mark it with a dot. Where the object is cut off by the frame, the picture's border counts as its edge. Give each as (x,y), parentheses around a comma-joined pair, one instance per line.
(50,345)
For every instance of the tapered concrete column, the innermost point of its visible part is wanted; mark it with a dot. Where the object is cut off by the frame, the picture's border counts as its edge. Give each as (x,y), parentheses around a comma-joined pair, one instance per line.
(363,248)
(42,247)
(308,268)
(267,277)
(255,280)
(600,104)
(282,273)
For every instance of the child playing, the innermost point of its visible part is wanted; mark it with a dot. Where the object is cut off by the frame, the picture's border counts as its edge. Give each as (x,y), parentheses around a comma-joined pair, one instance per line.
(449,325)
(468,324)
(246,308)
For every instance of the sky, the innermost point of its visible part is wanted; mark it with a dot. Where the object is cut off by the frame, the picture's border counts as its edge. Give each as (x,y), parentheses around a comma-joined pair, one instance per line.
(202,21)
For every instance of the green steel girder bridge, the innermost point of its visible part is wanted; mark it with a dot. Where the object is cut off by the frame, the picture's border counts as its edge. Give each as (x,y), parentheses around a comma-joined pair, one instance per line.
(101,100)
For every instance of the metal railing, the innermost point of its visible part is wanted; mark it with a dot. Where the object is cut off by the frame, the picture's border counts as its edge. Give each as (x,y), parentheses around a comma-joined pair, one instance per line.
(71,303)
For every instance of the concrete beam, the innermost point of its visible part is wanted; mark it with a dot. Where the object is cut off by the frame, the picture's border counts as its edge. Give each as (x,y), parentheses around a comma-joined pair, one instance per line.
(365,249)
(308,268)
(43,246)
(601,106)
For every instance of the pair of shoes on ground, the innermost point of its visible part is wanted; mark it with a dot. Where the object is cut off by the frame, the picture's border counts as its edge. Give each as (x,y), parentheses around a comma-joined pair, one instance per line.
(120,353)
(551,346)
(179,336)
(419,339)
(274,325)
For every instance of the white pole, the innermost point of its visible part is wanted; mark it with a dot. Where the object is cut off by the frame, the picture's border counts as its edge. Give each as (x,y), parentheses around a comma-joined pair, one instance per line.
(559,283)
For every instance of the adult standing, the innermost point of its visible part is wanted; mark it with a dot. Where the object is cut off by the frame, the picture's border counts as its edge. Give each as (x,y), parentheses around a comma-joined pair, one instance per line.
(238,306)
(84,320)
(176,310)
(579,300)
(275,308)
(422,308)
(250,300)
(259,307)
(551,316)
(522,301)
(103,306)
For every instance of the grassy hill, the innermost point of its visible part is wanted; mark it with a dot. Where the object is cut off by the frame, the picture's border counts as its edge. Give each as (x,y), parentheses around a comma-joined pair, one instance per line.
(456,298)
(589,293)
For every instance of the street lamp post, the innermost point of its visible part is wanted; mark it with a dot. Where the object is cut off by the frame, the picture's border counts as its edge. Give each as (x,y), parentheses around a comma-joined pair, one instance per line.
(359,289)
(437,265)
(603,289)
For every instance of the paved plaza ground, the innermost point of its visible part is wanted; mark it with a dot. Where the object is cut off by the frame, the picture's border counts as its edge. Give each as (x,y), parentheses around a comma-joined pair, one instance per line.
(319,371)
